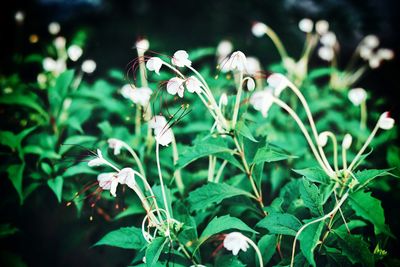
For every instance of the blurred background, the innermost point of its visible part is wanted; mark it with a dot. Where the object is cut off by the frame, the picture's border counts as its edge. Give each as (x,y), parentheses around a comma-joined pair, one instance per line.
(50,234)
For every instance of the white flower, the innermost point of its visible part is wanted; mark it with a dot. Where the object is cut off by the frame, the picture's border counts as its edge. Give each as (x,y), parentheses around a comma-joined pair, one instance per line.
(162,131)
(235,242)
(19,16)
(98,161)
(253,66)
(322,27)
(323,139)
(88,66)
(224,48)
(306,25)
(59,42)
(278,82)
(372,41)
(49,64)
(347,140)
(127,176)
(142,45)
(74,52)
(365,52)
(326,53)
(175,86)
(250,84)
(193,85)
(154,64)
(115,144)
(385,122)
(41,79)
(181,59)
(262,101)
(328,39)
(108,181)
(259,29)
(357,96)
(139,96)
(237,61)
(385,53)
(54,28)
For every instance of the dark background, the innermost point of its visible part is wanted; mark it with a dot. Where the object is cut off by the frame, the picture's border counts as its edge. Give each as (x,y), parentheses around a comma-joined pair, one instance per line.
(50,234)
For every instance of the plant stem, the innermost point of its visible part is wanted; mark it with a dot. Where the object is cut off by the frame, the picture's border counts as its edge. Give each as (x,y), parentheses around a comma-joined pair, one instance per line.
(177,173)
(363,119)
(315,221)
(237,102)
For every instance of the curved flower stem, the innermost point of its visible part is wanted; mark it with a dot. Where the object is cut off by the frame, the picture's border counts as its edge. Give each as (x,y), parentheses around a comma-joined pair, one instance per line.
(167,212)
(367,142)
(211,168)
(220,170)
(363,117)
(135,157)
(335,151)
(315,221)
(258,252)
(312,123)
(344,158)
(305,133)
(177,173)
(277,42)
(237,102)
(146,205)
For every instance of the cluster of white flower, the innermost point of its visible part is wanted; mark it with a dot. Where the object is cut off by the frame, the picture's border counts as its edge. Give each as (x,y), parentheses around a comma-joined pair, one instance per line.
(369,51)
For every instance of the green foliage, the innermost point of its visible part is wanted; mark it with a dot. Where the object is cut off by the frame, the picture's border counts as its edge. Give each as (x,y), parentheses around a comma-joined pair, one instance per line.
(276,223)
(125,237)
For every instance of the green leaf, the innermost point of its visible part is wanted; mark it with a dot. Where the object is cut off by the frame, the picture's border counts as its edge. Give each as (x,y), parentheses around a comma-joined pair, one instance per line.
(125,237)
(266,154)
(312,199)
(131,210)
(371,210)
(228,261)
(56,185)
(355,249)
(315,175)
(309,239)
(213,193)
(154,250)
(59,91)
(243,130)
(199,53)
(202,149)
(7,229)
(9,139)
(320,72)
(15,174)
(366,176)
(223,223)
(267,246)
(28,100)
(277,223)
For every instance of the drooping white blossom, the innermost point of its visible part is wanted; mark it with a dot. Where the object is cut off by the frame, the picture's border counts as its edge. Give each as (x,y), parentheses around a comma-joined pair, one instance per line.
(278,83)
(253,66)
(328,39)
(162,131)
(235,242)
(262,101)
(115,144)
(193,84)
(223,100)
(108,181)
(175,86)
(224,48)
(98,160)
(372,41)
(127,176)
(142,45)
(181,59)
(237,61)
(357,96)
(385,122)
(154,64)
(140,96)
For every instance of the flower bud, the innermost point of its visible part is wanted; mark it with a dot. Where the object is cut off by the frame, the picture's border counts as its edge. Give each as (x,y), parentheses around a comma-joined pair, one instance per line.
(223,100)
(258,29)
(328,39)
(74,52)
(385,53)
(60,42)
(372,41)
(306,25)
(142,45)
(224,48)
(323,139)
(54,28)
(88,66)
(250,84)
(322,27)
(385,122)
(347,140)
(326,53)
(357,96)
